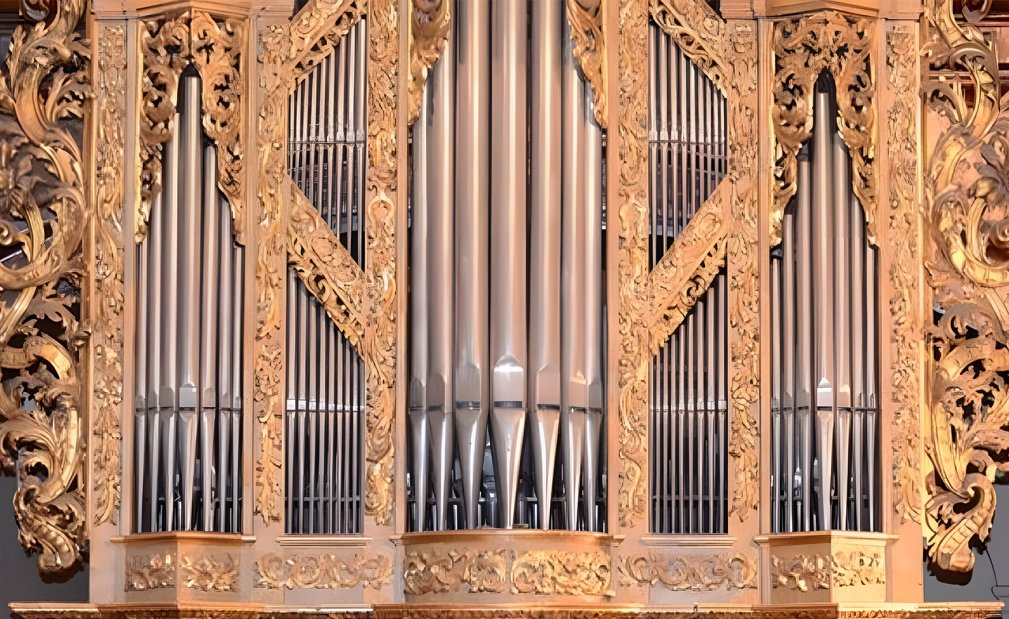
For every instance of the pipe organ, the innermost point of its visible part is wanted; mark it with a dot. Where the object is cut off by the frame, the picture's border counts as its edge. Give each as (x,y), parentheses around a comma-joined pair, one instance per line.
(506,283)
(453,308)
(325,375)
(188,382)
(687,160)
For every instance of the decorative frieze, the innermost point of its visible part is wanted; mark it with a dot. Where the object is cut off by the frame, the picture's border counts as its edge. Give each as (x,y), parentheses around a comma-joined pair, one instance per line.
(712,572)
(322,571)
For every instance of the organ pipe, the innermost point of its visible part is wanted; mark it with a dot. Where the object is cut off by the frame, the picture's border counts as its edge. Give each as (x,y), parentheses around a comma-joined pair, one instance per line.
(511,359)
(824,315)
(545,248)
(188,362)
(472,390)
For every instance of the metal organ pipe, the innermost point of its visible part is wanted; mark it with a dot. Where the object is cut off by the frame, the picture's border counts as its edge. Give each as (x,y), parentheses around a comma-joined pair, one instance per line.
(545,249)
(189,306)
(511,359)
(824,337)
(472,391)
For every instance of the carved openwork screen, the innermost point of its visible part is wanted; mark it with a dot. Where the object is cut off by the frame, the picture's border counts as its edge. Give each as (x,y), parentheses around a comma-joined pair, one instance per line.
(824,344)
(189,300)
(688,391)
(325,374)
(506,279)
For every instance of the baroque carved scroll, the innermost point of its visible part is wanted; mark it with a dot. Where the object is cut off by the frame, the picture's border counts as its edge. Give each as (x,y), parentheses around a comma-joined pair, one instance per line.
(44,213)
(803,48)
(967,265)
(430,26)
(215,49)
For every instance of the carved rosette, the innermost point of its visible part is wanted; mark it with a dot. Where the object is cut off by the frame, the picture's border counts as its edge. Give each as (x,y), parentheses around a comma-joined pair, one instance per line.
(803,47)
(823,571)
(430,26)
(967,430)
(905,260)
(322,571)
(691,573)
(106,434)
(539,572)
(585,19)
(44,212)
(215,50)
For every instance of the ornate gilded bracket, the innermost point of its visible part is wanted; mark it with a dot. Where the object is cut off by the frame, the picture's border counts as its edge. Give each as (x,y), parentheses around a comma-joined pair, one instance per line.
(215,50)
(430,24)
(699,32)
(804,47)
(967,431)
(585,18)
(44,213)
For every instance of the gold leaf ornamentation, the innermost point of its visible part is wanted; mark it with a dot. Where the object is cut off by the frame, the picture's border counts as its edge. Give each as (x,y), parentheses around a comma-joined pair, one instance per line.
(443,571)
(209,572)
(147,572)
(804,47)
(322,571)
(562,573)
(905,260)
(430,26)
(106,434)
(630,139)
(586,18)
(699,32)
(967,430)
(326,267)
(215,50)
(822,571)
(380,273)
(691,573)
(44,212)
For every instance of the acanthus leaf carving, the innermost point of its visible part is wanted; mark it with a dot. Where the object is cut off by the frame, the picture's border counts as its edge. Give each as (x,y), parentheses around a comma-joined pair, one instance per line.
(322,571)
(586,19)
(430,27)
(44,213)
(691,573)
(805,572)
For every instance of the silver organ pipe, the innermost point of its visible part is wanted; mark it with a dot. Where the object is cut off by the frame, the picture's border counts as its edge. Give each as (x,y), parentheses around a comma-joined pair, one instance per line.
(511,358)
(189,299)
(688,377)
(325,373)
(472,390)
(823,338)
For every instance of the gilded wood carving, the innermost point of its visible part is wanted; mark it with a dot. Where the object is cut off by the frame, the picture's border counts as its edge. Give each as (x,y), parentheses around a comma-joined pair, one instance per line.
(967,431)
(905,260)
(215,49)
(288,53)
(585,19)
(824,571)
(804,47)
(326,267)
(44,213)
(539,572)
(430,26)
(322,571)
(709,572)
(380,273)
(106,434)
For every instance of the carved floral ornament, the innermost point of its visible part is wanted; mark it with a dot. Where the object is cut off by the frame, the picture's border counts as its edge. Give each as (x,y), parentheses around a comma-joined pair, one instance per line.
(824,571)
(691,573)
(44,86)
(322,571)
(804,47)
(214,48)
(507,571)
(967,265)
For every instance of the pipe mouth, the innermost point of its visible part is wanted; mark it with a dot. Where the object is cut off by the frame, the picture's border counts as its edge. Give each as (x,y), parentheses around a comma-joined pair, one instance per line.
(509,404)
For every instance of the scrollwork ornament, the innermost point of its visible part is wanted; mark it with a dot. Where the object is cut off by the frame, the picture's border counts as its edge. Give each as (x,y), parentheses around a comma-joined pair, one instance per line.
(967,431)
(430,26)
(322,571)
(699,32)
(43,216)
(691,573)
(109,244)
(585,18)
(804,47)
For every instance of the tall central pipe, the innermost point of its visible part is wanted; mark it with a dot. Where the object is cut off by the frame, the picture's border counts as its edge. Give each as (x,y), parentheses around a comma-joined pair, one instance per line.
(472,390)
(508,248)
(545,249)
(440,390)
